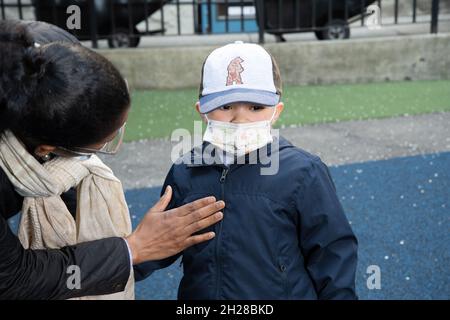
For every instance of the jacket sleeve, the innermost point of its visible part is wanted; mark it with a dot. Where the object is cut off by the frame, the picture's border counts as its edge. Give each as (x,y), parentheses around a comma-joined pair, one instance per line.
(43,274)
(145,269)
(325,236)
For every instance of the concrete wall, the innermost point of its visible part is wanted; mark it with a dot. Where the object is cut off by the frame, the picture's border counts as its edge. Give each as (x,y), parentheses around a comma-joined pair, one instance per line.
(422,57)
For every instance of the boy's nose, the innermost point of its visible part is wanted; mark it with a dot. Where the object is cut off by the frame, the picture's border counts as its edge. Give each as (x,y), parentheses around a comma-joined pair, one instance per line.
(240,114)
(239,120)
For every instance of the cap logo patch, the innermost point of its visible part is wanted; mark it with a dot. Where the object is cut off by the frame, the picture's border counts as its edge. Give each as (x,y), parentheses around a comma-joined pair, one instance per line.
(234,71)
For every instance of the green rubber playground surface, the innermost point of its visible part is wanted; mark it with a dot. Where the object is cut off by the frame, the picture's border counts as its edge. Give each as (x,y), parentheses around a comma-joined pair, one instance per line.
(156,113)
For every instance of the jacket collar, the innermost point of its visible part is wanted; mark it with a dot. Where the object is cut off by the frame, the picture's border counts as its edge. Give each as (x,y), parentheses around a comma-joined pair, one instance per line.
(206,155)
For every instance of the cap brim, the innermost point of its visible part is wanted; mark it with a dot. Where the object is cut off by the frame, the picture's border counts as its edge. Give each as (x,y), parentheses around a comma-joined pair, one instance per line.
(219,99)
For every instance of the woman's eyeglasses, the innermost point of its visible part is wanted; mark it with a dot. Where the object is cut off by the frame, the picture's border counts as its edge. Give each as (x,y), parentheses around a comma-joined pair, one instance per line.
(111,147)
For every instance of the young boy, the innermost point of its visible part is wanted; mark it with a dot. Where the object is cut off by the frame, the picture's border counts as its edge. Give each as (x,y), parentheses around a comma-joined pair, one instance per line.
(284,235)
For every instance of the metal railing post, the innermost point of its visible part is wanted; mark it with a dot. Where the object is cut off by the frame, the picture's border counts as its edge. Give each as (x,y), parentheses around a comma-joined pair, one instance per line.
(209,4)
(93,23)
(261,20)
(3,9)
(434,16)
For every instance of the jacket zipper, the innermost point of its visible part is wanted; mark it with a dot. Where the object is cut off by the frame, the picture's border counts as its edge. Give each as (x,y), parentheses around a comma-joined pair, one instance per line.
(219,233)
(284,277)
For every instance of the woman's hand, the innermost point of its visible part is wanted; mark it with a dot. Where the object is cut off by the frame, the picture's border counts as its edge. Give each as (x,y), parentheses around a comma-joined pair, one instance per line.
(162,234)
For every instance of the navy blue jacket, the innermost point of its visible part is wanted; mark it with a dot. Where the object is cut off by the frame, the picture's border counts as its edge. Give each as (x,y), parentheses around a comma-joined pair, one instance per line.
(283,236)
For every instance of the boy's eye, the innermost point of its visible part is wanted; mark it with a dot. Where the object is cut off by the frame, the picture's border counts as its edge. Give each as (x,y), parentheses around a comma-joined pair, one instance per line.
(257,108)
(252,108)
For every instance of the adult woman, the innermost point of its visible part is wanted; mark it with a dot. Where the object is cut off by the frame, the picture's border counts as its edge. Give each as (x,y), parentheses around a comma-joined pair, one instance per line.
(60,104)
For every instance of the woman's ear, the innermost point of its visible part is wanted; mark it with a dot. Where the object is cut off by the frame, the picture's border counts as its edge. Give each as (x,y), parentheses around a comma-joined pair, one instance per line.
(43,150)
(279,109)
(197,107)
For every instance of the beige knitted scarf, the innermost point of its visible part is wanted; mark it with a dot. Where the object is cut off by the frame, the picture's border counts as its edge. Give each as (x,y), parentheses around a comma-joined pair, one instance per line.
(46,222)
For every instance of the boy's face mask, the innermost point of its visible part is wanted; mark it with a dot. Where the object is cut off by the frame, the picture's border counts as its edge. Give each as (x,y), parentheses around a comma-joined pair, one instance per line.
(239,138)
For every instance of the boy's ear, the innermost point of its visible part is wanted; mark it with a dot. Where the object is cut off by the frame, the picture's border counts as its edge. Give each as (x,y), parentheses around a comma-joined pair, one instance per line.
(279,109)
(197,107)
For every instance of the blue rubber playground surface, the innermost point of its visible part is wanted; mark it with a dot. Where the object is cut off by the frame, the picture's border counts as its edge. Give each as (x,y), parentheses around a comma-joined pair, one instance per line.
(400,211)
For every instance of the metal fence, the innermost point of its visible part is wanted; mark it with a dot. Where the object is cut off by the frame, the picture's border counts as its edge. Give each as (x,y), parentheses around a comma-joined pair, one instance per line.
(123,22)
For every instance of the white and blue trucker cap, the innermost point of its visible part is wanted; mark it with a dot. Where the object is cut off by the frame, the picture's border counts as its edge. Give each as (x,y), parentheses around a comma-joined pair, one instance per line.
(238,72)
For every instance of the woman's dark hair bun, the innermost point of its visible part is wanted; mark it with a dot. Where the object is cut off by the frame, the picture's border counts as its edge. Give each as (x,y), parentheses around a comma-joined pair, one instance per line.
(22,66)
(59,93)
(34,63)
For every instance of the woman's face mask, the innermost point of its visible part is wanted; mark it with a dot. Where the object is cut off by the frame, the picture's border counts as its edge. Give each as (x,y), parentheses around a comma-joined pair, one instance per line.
(239,138)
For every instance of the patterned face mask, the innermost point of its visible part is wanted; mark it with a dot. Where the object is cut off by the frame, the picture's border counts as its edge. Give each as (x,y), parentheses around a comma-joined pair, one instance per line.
(239,138)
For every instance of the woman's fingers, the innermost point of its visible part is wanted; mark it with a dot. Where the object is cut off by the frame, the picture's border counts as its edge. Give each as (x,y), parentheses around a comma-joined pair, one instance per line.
(162,234)
(204,223)
(198,239)
(164,201)
(193,206)
(204,212)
